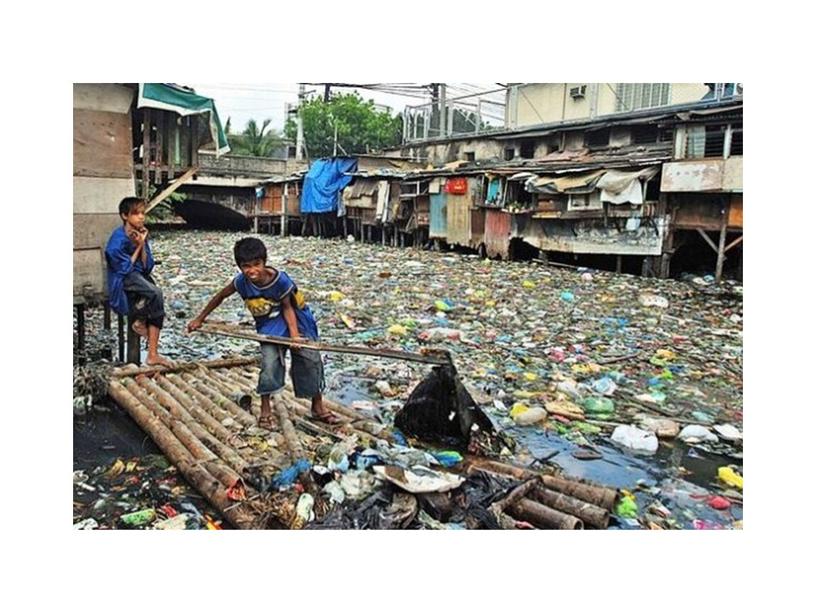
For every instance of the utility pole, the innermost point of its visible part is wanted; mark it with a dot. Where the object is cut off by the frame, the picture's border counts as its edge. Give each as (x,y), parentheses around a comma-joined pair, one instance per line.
(326,92)
(301,100)
(434,104)
(442,111)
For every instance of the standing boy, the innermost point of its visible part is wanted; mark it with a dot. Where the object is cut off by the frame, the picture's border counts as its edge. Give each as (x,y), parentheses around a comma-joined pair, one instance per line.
(279,309)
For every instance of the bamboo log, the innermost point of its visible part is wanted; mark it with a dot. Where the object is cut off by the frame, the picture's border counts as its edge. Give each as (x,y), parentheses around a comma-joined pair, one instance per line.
(194,437)
(178,454)
(231,391)
(292,441)
(210,423)
(196,448)
(543,516)
(220,440)
(513,497)
(132,369)
(236,412)
(288,429)
(597,495)
(236,393)
(219,414)
(588,513)
(499,468)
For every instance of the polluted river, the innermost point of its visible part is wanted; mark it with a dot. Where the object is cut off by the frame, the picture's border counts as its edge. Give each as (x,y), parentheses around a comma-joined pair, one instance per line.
(631,383)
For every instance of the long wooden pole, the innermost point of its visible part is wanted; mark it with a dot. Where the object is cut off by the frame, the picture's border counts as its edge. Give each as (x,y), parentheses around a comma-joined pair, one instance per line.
(171,188)
(436,356)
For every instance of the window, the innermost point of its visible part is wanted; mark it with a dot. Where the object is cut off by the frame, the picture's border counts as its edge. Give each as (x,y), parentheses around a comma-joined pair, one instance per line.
(708,141)
(597,138)
(470,156)
(291,152)
(736,139)
(642,135)
(584,202)
(633,96)
(509,153)
(715,141)
(528,149)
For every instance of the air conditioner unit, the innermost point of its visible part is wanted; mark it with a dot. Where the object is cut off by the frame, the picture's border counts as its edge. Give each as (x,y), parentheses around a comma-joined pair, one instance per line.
(578,92)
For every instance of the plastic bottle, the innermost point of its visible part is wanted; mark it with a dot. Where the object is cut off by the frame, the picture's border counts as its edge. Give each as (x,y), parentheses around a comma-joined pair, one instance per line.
(138,518)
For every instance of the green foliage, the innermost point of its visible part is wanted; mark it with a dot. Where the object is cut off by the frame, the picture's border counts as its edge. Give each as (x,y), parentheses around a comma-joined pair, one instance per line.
(255,141)
(360,127)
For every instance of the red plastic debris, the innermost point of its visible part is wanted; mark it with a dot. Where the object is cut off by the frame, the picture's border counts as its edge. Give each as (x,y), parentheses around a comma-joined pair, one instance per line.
(719,503)
(169,511)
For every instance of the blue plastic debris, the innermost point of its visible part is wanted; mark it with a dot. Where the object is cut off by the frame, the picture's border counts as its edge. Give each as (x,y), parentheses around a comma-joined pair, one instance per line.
(447,458)
(289,475)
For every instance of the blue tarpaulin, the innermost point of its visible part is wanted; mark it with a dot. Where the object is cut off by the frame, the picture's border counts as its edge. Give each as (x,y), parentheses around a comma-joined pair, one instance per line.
(324,182)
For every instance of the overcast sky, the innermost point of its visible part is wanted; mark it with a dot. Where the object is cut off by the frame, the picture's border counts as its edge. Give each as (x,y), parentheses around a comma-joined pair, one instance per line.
(259,101)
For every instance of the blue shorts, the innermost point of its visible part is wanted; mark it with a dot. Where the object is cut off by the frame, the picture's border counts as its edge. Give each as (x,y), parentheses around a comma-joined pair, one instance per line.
(307,371)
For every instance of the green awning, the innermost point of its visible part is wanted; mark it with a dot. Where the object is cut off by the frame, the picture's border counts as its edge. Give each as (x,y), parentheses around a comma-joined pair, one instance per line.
(185,102)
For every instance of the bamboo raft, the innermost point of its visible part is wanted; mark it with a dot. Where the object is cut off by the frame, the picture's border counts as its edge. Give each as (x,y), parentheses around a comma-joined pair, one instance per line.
(204,418)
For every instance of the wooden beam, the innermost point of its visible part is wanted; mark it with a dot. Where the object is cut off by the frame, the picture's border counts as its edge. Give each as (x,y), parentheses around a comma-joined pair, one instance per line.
(734,243)
(708,240)
(172,146)
(721,249)
(157,174)
(145,153)
(171,188)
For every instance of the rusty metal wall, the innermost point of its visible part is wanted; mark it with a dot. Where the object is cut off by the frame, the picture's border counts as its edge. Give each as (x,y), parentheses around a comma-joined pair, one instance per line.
(497,233)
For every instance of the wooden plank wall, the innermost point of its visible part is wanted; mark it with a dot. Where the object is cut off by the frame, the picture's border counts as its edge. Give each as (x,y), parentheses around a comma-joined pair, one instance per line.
(103,175)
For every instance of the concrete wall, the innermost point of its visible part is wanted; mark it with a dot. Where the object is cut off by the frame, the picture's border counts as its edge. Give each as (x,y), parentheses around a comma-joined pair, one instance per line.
(540,103)
(450,151)
(241,165)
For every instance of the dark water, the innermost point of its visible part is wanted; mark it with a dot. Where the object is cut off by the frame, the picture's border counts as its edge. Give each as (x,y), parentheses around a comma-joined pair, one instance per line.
(105,434)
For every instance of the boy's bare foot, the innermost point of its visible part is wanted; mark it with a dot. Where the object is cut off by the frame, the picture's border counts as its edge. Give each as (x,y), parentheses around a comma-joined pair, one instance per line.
(140,328)
(157,360)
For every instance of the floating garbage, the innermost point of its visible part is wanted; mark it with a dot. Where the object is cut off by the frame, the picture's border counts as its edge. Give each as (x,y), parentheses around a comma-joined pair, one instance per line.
(419,479)
(696,434)
(635,439)
(672,349)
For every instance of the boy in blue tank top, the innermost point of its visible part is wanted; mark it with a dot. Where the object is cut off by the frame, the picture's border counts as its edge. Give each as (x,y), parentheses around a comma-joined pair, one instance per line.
(279,309)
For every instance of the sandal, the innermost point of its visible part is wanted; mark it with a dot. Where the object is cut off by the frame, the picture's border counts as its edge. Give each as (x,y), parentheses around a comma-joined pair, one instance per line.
(266,422)
(327,418)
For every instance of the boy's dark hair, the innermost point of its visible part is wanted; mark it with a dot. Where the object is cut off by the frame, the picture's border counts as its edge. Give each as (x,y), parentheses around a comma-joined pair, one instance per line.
(249,249)
(128,204)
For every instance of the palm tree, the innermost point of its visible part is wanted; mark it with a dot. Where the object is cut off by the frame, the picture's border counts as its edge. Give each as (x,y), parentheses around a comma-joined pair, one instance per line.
(255,141)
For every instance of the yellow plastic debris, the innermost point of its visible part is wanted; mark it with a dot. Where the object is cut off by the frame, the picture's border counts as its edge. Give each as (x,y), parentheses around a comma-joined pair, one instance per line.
(336,296)
(665,354)
(523,395)
(730,476)
(117,469)
(530,376)
(348,321)
(527,284)
(586,369)
(518,409)
(397,330)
